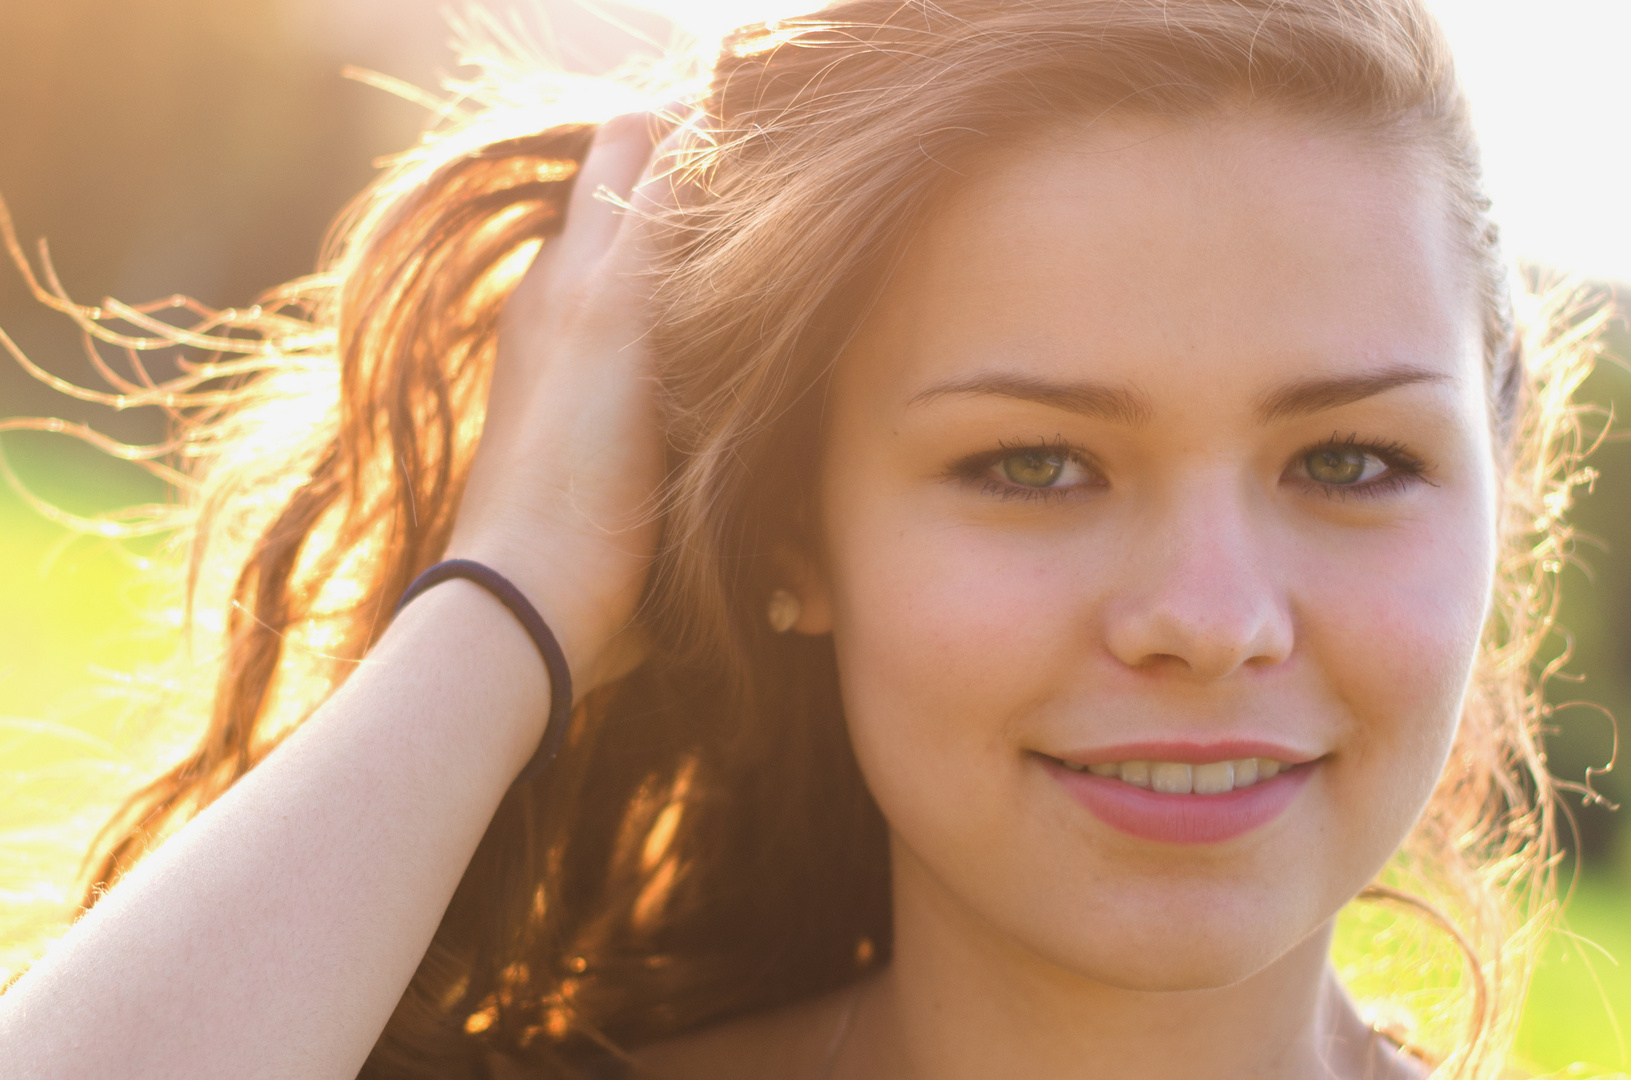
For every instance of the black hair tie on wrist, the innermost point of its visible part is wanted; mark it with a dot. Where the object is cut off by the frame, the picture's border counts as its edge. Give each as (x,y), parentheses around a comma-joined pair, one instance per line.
(560,679)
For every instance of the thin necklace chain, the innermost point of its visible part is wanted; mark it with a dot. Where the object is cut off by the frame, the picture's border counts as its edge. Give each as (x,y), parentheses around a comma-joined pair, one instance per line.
(840,1035)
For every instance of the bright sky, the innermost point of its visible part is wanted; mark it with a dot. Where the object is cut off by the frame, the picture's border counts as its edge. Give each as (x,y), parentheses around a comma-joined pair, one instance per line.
(1550,82)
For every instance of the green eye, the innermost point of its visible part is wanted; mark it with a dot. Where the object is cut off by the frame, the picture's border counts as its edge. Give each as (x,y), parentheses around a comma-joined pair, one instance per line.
(1034,468)
(1340,465)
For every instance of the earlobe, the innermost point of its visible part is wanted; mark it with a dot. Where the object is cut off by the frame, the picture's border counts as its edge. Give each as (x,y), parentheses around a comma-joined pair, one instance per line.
(786,610)
(783,611)
(802,604)
(815,612)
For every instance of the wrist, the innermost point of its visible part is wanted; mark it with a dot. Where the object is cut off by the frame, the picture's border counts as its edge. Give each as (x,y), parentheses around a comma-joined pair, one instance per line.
(537,630)
(462,629)
(586,617)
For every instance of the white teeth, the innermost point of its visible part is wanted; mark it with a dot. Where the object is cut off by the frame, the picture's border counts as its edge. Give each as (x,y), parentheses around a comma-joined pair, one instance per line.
(1170,778)
(1214,778)
(1175,778)
(1246,772)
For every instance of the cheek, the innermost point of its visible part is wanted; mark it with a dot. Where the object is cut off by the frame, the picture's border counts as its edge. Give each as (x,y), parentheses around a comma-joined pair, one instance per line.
(1393,631)
(939,626)
(950,640)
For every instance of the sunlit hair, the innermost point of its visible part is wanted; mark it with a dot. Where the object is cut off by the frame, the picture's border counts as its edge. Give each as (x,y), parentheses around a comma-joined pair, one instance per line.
(705,846)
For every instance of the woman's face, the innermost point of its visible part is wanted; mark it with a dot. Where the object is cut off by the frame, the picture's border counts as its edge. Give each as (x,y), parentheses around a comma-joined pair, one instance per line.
(1163,461)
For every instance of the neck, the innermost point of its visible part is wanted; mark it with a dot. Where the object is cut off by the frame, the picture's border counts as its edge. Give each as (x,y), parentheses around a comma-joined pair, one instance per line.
(962,999)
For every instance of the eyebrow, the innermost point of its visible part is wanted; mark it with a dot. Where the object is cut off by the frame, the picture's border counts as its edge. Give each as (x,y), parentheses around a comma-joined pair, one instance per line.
(1307,396)
(1128,406)
(1088,398)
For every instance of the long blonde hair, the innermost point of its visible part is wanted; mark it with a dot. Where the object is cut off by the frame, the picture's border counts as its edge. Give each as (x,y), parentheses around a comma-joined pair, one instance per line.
(705,846)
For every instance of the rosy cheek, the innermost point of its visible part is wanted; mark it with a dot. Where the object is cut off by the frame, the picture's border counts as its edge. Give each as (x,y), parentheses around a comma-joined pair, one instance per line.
(1394,631)
(947,627)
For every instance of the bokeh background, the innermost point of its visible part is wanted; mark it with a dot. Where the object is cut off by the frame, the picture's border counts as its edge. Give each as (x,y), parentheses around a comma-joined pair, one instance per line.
(203,146)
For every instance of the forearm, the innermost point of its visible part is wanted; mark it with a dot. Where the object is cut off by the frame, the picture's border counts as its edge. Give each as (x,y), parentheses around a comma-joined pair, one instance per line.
(275,933)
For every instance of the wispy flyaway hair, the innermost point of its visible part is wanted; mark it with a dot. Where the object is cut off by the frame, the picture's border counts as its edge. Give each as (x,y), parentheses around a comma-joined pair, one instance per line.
(705,847)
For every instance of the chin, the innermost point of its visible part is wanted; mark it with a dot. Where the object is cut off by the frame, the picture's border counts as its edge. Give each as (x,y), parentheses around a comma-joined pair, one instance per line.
(1157,927)
(1186,950)
(1216,965)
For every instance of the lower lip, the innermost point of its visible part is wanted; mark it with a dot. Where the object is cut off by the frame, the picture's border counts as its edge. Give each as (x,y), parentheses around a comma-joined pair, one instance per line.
(1183,819)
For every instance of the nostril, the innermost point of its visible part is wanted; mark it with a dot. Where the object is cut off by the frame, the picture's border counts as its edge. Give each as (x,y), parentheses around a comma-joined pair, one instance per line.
(1171,647)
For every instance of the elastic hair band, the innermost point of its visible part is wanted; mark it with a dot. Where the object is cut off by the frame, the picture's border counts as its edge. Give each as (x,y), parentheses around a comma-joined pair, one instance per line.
(560,679)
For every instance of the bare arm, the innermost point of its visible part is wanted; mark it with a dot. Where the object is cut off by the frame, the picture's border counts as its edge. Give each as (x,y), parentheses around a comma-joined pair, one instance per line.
(273,935)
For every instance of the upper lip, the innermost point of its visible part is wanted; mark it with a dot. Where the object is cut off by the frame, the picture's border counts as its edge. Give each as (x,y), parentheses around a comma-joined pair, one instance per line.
(1186,752)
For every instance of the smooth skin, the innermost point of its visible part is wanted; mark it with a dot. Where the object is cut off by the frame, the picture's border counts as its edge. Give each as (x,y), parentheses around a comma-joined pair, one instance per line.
(1179,576)
(1068,504)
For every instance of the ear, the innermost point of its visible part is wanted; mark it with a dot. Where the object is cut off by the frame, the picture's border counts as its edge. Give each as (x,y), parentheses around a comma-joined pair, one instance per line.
(804,578)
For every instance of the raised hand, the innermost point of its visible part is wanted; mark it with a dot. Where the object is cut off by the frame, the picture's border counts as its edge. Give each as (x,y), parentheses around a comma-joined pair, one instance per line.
(563,493)
(274,935)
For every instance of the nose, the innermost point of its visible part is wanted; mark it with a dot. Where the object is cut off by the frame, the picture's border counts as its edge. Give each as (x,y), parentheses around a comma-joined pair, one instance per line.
(1200,592)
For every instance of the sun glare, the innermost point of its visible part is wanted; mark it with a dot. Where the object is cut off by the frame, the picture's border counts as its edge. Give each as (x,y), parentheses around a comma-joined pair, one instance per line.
(1548,82)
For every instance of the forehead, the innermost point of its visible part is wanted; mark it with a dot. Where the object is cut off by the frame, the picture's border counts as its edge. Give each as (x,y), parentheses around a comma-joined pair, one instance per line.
(1183,259)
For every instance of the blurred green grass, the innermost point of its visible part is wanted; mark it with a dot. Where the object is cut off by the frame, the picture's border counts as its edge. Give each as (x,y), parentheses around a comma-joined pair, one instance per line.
(74,620)
(71,621)
(1580,1000)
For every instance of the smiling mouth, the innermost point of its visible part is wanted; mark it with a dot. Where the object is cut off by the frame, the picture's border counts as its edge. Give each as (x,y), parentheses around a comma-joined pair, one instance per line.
(1179,778)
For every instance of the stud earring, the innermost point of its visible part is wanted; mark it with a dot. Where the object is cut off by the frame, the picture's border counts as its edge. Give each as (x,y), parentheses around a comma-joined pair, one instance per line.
(783,610)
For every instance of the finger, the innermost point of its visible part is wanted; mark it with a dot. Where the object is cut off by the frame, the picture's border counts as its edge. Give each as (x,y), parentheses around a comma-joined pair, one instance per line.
(616,160)
(674,178)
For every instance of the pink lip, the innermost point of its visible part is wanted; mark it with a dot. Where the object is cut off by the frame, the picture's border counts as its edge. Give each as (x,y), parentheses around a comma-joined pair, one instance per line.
(1183,819)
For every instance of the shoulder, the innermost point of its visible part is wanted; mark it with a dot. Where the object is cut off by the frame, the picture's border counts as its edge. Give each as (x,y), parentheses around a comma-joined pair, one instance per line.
(789,1043)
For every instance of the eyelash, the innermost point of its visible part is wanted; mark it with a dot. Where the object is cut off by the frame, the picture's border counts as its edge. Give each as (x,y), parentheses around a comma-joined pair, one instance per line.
(977,469)
(1403,468)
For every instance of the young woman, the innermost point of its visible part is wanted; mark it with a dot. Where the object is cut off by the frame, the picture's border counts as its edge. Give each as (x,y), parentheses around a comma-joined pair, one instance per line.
(1040,505)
